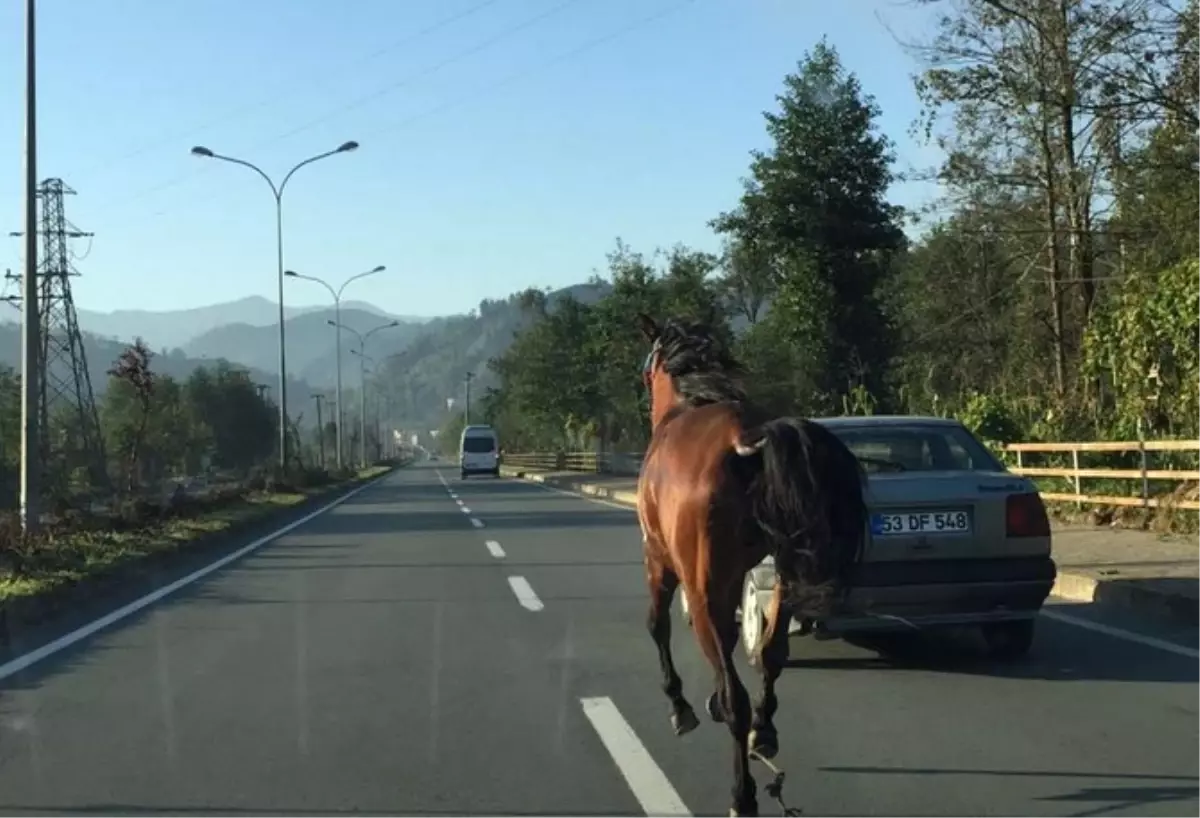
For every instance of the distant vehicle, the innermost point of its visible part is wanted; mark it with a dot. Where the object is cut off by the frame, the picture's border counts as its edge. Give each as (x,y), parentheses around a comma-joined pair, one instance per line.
(955,540)
(479,451)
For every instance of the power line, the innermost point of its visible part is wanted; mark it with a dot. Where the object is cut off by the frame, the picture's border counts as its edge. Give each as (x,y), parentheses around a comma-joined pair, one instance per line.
(288,87)
(483,91)
(535,69)
(367,98)
(433,69)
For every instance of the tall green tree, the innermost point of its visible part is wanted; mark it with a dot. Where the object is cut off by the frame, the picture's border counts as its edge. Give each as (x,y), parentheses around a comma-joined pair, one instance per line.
(816,202)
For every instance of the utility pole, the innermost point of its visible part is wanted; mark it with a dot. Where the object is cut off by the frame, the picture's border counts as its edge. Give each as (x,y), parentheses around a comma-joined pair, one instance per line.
(320,429)
(30,438)
(362,410)
(467,408)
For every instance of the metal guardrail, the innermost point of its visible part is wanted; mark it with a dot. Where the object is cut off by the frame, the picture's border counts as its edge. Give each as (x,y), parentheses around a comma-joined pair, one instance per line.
(628,463)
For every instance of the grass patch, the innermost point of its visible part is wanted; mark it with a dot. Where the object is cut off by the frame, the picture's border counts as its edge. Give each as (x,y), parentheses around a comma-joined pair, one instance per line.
(66,556)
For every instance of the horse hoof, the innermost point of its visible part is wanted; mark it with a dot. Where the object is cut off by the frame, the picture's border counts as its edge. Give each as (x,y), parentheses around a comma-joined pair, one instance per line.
(713,706)
(764,743)
(684,720)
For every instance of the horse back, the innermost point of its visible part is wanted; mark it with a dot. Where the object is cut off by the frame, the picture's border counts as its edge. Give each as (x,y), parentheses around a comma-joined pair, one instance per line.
(683,472)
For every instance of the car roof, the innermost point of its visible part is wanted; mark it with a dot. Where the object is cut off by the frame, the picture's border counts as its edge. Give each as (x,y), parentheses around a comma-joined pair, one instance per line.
(887,420)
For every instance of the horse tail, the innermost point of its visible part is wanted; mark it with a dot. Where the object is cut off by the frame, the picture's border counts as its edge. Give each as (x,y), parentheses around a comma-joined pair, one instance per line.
(807,493)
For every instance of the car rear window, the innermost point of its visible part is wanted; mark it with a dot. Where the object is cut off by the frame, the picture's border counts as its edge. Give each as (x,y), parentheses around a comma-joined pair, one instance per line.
(915,447)
(479,445)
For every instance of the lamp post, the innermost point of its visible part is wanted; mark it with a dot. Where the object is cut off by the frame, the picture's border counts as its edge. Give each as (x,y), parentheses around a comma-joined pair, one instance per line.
(31,483)
(277,192)
(337,317)
(362,381)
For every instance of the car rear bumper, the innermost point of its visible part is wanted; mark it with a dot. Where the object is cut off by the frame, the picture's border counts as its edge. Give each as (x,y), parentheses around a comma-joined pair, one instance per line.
(908,595)
(927,606)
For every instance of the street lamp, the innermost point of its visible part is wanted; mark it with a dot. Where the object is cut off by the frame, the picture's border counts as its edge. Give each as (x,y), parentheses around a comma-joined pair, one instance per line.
(337,313)
(369,361)
(277,192)
(362,380)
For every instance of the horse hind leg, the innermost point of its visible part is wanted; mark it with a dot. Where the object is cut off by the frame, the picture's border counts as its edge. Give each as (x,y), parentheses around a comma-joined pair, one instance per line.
(763,739)
(735,702)
(717,631)
(663,583)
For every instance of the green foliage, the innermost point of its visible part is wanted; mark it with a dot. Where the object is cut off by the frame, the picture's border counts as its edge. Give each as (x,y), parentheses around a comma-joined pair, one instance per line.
(1055,297)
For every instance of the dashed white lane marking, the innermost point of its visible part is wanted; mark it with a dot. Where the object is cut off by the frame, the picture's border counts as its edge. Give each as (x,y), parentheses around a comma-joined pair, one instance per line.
(475,521)
(464,510)
(525,594)
(1121,633)
(645,778)
(460,502)
(495,550)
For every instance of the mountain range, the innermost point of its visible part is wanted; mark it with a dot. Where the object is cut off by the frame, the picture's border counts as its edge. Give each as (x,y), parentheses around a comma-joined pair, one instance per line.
(436,352)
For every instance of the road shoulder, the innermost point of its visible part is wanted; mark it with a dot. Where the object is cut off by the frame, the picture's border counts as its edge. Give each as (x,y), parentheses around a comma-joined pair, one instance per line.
(28,623)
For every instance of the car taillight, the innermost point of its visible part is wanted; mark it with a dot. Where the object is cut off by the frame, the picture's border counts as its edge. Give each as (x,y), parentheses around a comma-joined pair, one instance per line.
(1025,516)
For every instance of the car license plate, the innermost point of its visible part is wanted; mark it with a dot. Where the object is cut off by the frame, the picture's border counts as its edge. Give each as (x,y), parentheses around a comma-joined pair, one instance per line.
(899,523)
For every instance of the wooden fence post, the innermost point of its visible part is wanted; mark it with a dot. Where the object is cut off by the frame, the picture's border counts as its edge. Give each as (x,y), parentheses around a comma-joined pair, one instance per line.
(1143,465)
(1078,488)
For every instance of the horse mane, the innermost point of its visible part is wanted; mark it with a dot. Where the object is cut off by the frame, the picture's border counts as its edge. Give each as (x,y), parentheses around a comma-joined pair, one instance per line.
(701,368)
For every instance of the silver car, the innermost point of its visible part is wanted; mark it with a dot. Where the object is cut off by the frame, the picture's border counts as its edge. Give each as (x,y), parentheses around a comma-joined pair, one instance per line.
(955,539)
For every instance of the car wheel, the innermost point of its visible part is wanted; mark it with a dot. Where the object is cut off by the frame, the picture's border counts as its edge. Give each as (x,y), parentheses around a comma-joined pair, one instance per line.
(754,621)
(1008,640)
(496,473)
(462,476)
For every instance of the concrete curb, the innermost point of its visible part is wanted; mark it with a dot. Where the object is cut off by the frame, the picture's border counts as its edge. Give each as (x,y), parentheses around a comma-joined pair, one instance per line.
(1139,597)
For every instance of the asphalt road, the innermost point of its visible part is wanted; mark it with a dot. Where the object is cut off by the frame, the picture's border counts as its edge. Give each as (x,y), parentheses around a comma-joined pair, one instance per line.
(405,654)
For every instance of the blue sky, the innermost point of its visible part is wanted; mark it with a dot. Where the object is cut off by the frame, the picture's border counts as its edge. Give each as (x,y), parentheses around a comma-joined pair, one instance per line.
(505,149)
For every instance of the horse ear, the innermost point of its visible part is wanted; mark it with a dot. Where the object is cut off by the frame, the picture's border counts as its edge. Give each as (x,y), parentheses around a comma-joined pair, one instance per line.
(649,327)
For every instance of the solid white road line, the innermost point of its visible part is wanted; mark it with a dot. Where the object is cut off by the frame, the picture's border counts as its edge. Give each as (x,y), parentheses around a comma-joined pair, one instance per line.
(525,594)
(1086,624)
(475,521)
(645,778)
(1121,633)
(50,648)
(495,550)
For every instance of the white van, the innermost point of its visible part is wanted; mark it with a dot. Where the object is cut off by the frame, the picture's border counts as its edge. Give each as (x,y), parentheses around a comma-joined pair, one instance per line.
(479,451)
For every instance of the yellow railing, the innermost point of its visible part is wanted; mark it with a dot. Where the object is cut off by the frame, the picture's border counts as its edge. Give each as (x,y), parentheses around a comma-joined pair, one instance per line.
(556,461)
(627,463)
(1077,473)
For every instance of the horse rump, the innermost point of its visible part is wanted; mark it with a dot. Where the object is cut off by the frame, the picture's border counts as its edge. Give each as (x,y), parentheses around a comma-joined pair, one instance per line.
(807,496)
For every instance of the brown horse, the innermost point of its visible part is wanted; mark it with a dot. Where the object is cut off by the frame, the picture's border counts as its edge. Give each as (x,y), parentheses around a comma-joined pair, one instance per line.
(723,486)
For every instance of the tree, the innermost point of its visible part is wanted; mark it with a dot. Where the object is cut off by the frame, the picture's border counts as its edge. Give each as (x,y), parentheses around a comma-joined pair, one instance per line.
(816,205)
(134,382)
(1045,97)
(748,279)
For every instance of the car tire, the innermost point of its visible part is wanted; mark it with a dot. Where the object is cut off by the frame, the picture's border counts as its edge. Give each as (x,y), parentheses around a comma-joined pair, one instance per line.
(462,475)
(1008,641)
(753,621)
(496,473)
